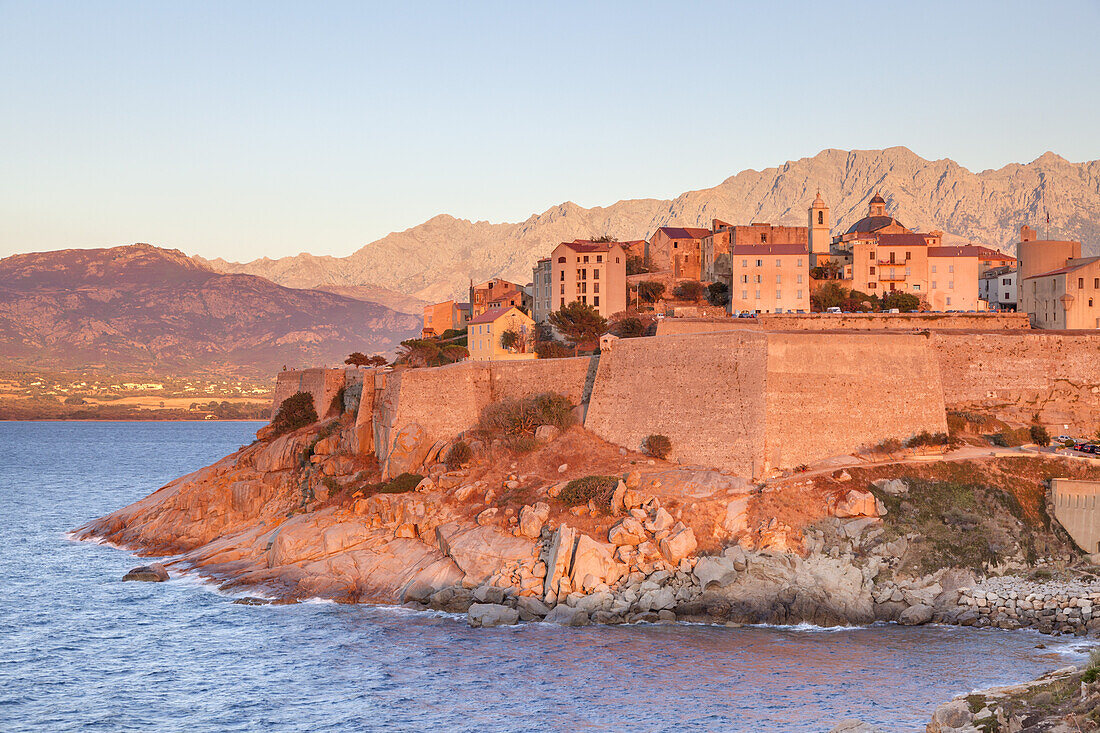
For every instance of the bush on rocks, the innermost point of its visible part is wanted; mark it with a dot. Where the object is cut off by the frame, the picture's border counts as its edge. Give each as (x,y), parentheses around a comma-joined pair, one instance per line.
(925,438)
(657,446)
(459,454)
(597,489)
(525,415)
(295,412)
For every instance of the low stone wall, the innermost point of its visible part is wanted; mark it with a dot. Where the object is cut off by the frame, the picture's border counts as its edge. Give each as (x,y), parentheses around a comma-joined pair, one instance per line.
(1015,604)
(851,321)
(1077,507)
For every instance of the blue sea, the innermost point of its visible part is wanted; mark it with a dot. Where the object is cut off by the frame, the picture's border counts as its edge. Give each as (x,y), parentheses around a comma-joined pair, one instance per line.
(82,651)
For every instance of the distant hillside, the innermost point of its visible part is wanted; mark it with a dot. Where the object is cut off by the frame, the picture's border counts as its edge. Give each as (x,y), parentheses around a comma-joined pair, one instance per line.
(436,259)
(141,307)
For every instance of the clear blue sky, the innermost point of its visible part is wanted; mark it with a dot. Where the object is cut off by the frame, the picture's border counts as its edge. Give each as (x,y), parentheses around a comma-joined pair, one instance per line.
(245,129)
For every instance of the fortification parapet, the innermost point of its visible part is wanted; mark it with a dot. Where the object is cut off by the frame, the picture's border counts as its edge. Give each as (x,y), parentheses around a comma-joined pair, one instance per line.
(850,321)
(321,383)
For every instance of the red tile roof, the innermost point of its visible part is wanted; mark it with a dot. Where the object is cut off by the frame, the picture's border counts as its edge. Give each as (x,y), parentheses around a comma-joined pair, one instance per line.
(988,253)
(491,315)
(966,250)
(769,249)
(684,232)
(584,245)
(911,239)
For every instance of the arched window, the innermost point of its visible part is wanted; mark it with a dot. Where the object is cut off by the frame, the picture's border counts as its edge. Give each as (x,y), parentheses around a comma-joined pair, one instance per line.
(821,217)
(561,259)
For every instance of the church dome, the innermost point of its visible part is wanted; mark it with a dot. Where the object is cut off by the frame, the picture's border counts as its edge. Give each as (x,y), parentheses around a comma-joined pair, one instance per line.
(870,224)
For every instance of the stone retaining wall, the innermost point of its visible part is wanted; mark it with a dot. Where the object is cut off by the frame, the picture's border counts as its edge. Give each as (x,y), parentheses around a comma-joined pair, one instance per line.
(851,321)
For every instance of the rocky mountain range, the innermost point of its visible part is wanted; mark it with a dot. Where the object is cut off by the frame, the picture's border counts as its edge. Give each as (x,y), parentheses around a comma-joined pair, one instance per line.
(142,308)
(435,260)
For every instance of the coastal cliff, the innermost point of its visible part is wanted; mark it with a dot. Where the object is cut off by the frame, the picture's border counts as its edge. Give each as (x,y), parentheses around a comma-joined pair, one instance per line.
(509,533)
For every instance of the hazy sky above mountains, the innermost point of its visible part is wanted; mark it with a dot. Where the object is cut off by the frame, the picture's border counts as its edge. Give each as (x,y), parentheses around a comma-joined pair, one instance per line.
(249,129)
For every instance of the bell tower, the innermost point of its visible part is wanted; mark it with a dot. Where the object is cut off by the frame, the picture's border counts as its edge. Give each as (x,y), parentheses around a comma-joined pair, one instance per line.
(820,227)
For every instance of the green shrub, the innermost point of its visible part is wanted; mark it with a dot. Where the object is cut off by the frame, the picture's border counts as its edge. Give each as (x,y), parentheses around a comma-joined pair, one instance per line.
(650,290)
(401,484)
(628,328)
(597,489)
(999,439)
(329,482)
(459,454)
(718,293)
(689,290)
(1011,438)
(890,445)
(657,446)
(525,415)
(1039,435)
(295,412)
(925,438)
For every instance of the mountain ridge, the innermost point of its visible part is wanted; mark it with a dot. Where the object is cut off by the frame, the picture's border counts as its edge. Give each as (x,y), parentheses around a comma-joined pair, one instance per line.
(140,307)
(435,260)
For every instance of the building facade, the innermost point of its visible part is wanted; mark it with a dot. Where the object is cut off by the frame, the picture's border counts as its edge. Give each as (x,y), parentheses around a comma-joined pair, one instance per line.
(486,332)
(1057,287)
(483,294)
(441,317)
(677,250)
(715,247)
(997,287)
(542,296)
(593,273)
(769,278)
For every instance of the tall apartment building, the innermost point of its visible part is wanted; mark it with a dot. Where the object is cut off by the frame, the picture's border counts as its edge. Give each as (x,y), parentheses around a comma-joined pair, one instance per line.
(590,272)
(997,287)
(769,278)
(542,302)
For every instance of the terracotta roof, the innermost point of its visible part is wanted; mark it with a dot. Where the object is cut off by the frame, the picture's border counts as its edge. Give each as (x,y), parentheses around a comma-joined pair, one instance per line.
(966,250)
(994,272)
(684,232)
(491,315)
(769,249)
(913,239)
(988,253)
(1077,265)
(508,295)
(462,306)
(584,245)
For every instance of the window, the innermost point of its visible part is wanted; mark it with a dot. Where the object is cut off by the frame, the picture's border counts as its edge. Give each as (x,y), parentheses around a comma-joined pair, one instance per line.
(799,279)
(778,294)
(758,295)
(616,260)
(908,255)
(744,278)
(744,263)
(950,284)
(950,268)
(744,295)
(675,246)
(586,259)
(933,268)
(583,289)
(821,217)
(1090,302)
(581,274)
(872,254)
(563,276)
(763,238)
(595,274)
(916,288)
(584,299)
(778,263)
(758,279)
(563,302)
(872,286)
(799,296)
(596,301)
(799,262)
(908,271)
(595,287)
(934,286)
(760,263)
(599,258)
(949,300)
(778,279)
(563,289)
(1096,282)
(1081,282)
(1006,281)
(872,269)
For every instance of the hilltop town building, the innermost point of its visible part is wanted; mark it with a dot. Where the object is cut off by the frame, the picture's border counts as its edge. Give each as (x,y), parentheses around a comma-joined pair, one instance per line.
(590,272)
(997,287)
(677,250)
(1057,287)
(542,303)
(443,316)
(769,278)
(495,293)
(487,331)
(715,247)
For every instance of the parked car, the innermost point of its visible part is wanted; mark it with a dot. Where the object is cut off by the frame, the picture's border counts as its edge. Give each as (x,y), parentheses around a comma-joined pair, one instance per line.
(1064,439)
(832,309)
(1091,448)
(747,314)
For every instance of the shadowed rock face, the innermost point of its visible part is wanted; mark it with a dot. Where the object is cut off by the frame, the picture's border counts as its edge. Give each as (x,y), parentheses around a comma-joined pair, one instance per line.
(141,307)
(434,260)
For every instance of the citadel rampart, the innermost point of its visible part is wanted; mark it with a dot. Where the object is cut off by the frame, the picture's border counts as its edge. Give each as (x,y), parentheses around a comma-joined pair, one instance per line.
(750,400)
(850,322)
(323,384)
(1077,507)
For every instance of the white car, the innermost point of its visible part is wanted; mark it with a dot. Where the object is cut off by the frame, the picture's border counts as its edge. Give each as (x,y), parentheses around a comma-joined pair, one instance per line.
(1064,439)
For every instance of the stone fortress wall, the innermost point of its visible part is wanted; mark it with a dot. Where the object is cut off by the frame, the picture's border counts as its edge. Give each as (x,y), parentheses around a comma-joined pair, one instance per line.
(850,322)
(322,383)
(749,400)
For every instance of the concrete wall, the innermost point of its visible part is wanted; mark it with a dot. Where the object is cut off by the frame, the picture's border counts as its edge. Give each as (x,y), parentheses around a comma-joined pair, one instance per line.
(1016,375)
(1077,507)
(853,321)
(830,394)
(705,392)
